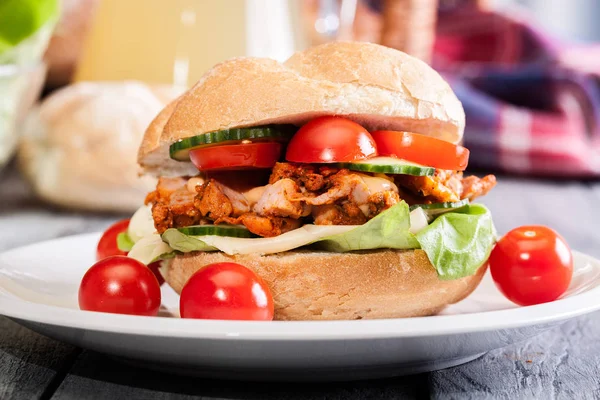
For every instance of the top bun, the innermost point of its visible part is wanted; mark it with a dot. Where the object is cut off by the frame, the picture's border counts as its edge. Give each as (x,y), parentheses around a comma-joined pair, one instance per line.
(379,87)
(78,146)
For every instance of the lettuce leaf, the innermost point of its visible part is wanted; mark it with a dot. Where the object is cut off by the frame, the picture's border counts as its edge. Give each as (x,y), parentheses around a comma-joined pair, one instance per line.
(458,243)
(388,230)
(20,19)
(150,248)
(184,243)
(124,242)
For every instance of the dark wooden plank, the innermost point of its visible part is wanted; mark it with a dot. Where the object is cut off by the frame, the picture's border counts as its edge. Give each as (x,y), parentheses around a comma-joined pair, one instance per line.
(563,363)
(30,364)
(96,376)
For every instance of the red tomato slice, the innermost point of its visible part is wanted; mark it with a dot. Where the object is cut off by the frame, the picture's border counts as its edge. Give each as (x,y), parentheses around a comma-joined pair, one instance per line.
(330,139)
(226,291)
(421,149)
(532,265)
(237,156)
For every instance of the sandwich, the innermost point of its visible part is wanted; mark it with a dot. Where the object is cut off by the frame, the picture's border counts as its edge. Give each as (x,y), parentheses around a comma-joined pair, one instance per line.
(335,176)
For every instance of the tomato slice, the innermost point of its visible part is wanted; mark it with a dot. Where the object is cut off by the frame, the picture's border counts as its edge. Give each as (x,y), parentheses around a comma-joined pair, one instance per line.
(421,149)
(331,139)
(237,156)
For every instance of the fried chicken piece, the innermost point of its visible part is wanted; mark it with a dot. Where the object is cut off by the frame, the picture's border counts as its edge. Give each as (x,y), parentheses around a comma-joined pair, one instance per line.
(432,187)
(263,226)
(308,176)
(381,201)
(444,186)
(182,208)
(163,219)
(239,203)
(278,200)
(166,186)
(162,214)
(340,185)
(474,187)
(212,202)
(338,214)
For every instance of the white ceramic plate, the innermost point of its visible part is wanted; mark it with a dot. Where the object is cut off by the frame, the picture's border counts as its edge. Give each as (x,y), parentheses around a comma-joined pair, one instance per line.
(39,283)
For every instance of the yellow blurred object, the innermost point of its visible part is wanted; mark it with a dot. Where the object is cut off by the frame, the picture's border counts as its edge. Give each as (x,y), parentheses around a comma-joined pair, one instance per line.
(176,41)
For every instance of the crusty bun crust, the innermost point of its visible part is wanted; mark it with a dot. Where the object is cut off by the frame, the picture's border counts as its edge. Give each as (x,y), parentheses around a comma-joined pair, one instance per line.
(309,285)
(78,146)
(379,87)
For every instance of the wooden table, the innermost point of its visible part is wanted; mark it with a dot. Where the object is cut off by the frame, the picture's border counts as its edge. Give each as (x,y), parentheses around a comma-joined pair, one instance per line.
(561,363)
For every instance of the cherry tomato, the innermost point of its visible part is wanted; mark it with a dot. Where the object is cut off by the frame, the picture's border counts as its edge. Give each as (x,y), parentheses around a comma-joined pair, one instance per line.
(107,246)
(237,156)
(421,149)
(226,291)
(155,268)
(532,265)
(331,139)
(120,285)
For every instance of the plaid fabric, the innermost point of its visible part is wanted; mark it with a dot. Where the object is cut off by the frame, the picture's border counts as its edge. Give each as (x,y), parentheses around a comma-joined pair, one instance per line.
(532,103)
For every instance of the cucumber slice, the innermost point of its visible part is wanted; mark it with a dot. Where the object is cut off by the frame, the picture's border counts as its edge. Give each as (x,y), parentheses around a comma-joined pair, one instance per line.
(180,150)
(217,230)
(436,209)
(389,165)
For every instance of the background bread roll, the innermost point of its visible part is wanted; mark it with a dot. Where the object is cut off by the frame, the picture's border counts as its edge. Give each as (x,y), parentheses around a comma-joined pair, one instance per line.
(79,145)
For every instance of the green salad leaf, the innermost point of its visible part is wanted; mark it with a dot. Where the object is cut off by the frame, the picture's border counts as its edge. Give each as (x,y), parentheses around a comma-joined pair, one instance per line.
(20,19)
(388,230)
(184,243)
(458,243)
(124,242)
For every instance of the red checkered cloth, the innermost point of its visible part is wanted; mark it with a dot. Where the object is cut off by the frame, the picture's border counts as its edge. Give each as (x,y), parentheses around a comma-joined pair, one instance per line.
(532,103)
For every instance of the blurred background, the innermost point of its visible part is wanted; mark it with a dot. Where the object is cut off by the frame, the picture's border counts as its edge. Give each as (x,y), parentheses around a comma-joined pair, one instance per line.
(81,79)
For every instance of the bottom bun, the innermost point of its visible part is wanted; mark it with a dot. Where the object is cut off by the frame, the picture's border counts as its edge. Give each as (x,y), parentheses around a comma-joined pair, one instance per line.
(308,285)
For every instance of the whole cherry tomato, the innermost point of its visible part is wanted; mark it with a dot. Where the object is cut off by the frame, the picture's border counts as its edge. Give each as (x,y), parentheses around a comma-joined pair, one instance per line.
(155,268)
(120,285)
(107,246)
(331,139)
(226,291)
(532,265)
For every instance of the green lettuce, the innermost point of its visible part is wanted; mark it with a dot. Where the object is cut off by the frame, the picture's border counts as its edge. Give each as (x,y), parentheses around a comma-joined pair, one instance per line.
(458,243)
(20,19)
(124,242)
(184,243)
(388,230)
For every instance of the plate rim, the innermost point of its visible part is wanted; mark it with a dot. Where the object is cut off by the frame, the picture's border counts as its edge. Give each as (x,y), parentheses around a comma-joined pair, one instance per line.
(439,325)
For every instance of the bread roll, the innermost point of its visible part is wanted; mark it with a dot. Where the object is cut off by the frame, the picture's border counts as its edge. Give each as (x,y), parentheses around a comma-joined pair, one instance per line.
(79,146)
(309,285)
(379,87)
